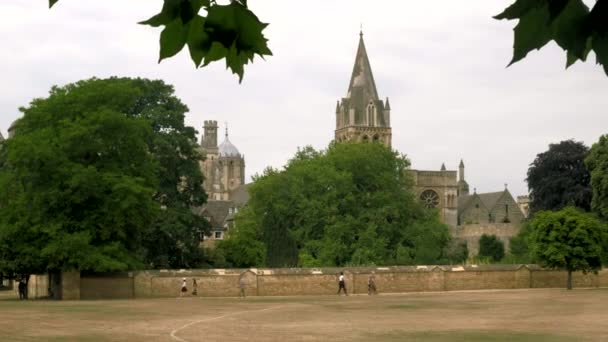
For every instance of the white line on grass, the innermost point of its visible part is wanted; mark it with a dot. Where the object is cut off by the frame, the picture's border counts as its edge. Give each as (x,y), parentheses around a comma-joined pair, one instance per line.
(213,319)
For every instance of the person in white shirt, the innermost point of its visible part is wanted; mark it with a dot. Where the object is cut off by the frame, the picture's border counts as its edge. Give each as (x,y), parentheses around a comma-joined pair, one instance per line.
(341,284)
(184,288)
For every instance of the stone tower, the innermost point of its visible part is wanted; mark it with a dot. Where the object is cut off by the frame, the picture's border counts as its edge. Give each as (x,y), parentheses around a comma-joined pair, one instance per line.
(463,186)
(223,167)
(362,115)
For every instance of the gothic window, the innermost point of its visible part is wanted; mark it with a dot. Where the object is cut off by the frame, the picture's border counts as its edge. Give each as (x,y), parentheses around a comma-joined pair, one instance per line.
(365,138)
(376,138)
(370,114)
(429,198)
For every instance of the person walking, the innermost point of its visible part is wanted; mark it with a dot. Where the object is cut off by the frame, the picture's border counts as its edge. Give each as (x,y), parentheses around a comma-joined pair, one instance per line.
(242,287)
(194,287)
(21,288)
(371,285)
(184,288)
(341,284)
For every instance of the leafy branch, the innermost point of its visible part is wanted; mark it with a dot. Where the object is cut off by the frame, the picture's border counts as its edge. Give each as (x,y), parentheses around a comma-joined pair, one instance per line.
(231,32)
(570,23)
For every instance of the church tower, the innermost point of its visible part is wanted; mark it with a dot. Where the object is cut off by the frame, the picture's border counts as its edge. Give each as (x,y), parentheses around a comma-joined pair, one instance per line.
(224,165)
(362,115)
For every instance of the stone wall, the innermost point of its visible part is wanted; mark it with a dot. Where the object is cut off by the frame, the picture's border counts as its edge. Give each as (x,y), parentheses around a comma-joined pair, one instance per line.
(322,281)
(472,232)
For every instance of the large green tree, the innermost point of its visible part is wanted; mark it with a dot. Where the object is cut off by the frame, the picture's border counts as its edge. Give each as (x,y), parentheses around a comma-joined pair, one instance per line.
(558,177)
(597,163)
(570,23)
(91,175)
(568,239)
(351,204)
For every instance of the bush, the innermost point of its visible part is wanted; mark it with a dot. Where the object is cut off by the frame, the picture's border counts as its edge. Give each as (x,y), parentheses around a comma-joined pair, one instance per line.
(490,246)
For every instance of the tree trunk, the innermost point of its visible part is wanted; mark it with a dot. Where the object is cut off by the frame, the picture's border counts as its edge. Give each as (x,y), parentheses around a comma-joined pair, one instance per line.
(569,286)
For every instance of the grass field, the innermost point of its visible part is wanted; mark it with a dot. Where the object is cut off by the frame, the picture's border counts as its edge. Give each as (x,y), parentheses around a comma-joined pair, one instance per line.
(506,315)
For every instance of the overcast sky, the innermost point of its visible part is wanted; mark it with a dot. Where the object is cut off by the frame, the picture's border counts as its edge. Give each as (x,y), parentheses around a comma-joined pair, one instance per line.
(441,63)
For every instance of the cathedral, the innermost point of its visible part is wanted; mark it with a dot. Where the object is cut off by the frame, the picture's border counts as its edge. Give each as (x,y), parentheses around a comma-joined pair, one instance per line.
(364,117)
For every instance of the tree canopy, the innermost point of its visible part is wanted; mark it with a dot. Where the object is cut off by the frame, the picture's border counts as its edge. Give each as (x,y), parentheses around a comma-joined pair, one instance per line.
(597,163)
(351,204)
(570,23)
(568,239)
(230,32)
(91,171)
(558,177)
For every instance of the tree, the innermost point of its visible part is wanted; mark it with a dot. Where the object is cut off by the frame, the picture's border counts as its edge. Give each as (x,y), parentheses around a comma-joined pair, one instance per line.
(243,246)
(568,239)
(558,177)
(85,177)
(351,204)
(597,163)
(231,32)
(519,246)
(491,247)
(570,23)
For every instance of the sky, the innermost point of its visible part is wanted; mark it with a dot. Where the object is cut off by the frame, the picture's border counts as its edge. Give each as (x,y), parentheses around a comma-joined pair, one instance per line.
(441,63)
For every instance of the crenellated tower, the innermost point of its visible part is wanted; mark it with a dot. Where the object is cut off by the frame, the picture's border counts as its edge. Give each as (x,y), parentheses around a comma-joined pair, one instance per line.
(362,115)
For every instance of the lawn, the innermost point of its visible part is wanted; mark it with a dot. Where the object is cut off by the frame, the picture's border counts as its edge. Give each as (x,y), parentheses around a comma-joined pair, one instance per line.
(502,315)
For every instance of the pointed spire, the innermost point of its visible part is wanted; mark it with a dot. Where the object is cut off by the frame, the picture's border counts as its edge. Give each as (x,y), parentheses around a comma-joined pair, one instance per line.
(387,105)
(461,163)
(362,77)
(337,107)
(443,167)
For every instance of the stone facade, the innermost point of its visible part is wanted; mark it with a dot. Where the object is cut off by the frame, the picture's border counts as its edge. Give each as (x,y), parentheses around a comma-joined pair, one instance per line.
(438,189)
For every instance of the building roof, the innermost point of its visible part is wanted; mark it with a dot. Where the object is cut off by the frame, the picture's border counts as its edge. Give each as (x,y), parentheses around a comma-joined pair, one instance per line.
(240,195)
(227,149)
(488,200)
(217,212)
(362,79)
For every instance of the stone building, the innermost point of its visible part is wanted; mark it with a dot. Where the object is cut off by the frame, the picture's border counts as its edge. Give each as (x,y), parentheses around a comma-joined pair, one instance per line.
(224,171)
(524,204)
(223,167)
(362,116)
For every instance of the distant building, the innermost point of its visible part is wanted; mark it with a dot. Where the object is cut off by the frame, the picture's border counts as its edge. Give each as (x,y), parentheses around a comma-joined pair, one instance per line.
(224,171)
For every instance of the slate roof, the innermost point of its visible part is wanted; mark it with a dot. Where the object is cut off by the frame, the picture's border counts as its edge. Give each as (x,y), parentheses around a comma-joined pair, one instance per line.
(240,195)
(488,200)
(217,211)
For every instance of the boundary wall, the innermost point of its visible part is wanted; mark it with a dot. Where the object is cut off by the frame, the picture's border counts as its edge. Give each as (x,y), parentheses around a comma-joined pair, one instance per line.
(312,281)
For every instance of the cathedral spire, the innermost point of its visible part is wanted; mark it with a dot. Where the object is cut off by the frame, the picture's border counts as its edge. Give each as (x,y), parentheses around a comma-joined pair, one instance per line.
(362,79)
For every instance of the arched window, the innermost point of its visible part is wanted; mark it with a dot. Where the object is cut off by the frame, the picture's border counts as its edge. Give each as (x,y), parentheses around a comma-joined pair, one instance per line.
(365,138)
(376,138)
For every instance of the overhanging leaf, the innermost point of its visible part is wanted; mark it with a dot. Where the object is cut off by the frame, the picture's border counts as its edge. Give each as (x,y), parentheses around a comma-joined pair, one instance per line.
(532,32)
(198,40)
(518,9)
(173,38)
(52,2)
(600,47)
